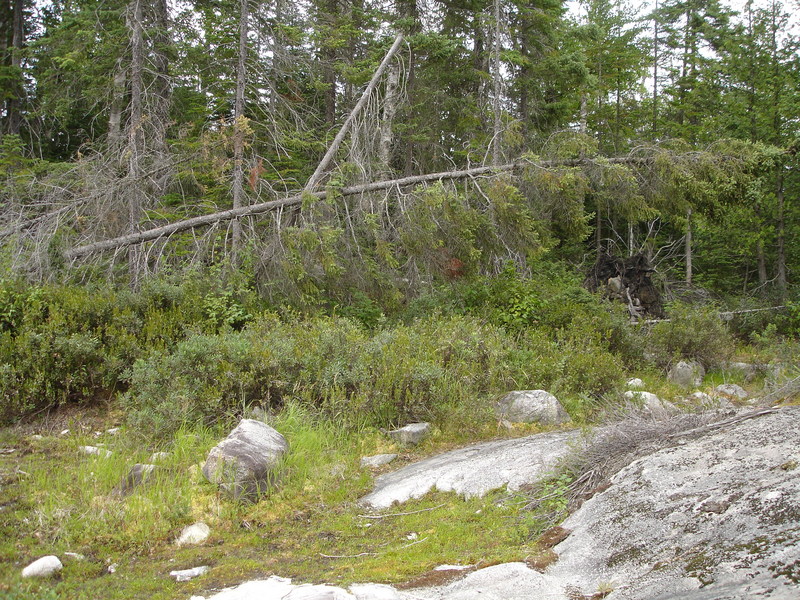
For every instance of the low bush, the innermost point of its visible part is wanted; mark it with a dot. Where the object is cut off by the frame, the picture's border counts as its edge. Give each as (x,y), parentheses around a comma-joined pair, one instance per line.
(692,332)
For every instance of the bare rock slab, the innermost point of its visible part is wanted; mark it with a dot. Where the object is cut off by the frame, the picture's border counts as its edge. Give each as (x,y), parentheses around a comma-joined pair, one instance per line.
(245,463)
(731,390)
(473,471)
(138,474)
(43,567)
(532,406)
(188,574)
(718,515)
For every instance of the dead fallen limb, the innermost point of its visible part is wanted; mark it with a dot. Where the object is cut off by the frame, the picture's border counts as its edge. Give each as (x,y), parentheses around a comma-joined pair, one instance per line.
(722,424)
(296,199)
(725,315)
(348,555)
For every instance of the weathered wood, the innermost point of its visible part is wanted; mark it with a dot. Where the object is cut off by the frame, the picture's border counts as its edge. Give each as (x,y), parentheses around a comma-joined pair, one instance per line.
(263,207)
(337,141)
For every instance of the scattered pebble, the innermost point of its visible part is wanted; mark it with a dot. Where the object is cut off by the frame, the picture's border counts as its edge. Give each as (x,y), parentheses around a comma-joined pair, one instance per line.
(158,456)
(74,556)
(65,432)
(112,431)
(112,568)
(378,460)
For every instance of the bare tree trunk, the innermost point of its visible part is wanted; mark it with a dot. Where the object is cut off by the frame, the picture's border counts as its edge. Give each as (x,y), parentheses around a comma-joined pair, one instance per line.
(14,105)
(584,125)
(389,111)
(781,267)
(135,136)
(326,160)
(688,246)
(117,105)
(598,230)
(496,158)
(162,43)
(238,129)
(762,263)
(655,69)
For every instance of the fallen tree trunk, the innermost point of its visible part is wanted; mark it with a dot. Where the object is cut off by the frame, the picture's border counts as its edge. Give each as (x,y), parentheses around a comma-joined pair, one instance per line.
(255,209)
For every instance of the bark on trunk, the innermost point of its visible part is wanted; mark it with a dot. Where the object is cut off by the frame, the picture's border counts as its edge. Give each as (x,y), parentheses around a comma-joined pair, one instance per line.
(781,266)
(238,130)
(688,246)
(389,111)
(135,137)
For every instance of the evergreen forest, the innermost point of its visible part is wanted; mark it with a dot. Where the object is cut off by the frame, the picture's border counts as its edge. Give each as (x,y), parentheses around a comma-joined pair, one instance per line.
(343,216)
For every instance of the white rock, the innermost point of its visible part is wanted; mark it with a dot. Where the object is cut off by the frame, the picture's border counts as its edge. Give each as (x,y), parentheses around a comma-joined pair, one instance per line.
(412,434)
(193,534)
(158,456)
(187,574)
(532,406)
(43,567)
(378,460)
(112,431)
(65,432)
(36,436)
(635,383)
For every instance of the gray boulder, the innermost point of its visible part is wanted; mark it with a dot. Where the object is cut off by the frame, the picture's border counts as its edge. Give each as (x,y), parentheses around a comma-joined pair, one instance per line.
(412,434)
(188,574)
(43,567)
(245,463)
(635,383)
(731,390)
(687,374)
(532,406)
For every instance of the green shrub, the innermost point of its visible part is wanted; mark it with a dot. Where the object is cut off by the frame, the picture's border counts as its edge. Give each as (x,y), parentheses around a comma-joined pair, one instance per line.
(692,332)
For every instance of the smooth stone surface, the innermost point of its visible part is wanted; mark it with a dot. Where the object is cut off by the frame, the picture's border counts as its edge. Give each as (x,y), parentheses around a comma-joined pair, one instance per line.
(378,460)
(43,567)
(732,390)
(244,464)
(717,516)
(159,456)
(412,434)
(531,406)
(687,374)
(473,471)
(193,534)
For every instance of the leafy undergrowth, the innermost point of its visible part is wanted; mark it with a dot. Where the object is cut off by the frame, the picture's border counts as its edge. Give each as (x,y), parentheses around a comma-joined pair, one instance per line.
(56,500)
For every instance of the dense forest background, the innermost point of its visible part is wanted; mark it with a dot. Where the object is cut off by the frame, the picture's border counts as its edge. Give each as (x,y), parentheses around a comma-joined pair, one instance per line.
(170,170)
(670,131)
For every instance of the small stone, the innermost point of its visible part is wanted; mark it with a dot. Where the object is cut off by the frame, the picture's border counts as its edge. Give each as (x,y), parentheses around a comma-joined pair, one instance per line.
(43,567)
(65,432)
(112,568)
(377,461)
(193,534)
(112,431)
(412,434)
(36,436)
(94,451)
(732,390)
(187,574)
(159,456)
(635,383)
(715,506)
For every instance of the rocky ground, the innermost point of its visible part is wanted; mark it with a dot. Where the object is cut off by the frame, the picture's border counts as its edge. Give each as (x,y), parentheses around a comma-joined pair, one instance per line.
(714,514)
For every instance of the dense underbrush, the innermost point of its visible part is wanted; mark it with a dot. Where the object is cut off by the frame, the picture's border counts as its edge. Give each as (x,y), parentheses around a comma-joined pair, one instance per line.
(201,351)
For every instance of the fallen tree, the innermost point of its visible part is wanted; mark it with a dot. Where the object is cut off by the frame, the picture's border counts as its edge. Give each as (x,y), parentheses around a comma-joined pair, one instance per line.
(296,199)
